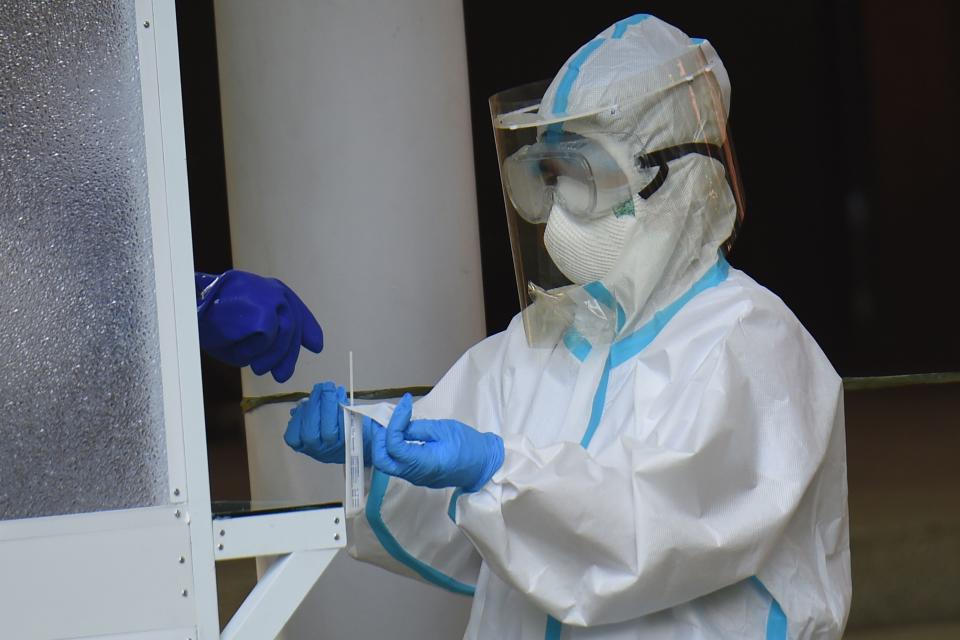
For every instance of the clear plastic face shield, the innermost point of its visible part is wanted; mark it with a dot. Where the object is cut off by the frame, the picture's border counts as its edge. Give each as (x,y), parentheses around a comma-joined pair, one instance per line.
(602,167)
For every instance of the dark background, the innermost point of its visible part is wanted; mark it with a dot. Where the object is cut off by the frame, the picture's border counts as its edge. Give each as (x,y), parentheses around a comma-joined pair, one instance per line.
(844,118)
(210,225)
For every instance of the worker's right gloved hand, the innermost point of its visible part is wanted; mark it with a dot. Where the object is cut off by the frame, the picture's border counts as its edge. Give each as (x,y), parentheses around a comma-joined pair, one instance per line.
(436,453)
(316,425)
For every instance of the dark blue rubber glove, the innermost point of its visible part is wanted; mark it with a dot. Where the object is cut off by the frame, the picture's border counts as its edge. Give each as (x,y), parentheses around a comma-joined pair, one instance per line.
(316,425)
(435,453)
(246,319)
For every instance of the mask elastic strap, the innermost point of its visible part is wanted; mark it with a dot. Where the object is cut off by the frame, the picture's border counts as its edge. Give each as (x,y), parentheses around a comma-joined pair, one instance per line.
(661,157)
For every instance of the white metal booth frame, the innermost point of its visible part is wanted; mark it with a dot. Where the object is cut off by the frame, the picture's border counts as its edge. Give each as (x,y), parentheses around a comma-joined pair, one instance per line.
(148,573)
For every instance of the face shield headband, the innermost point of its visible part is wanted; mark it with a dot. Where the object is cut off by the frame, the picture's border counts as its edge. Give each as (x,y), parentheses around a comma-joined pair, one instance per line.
(661,158)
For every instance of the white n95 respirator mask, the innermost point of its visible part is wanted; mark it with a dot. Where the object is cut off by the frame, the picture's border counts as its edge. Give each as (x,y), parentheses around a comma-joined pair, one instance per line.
(586,249)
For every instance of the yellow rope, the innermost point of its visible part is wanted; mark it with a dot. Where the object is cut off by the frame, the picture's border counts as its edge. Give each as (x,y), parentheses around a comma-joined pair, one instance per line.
(249,404)
(909,380)
(849,384)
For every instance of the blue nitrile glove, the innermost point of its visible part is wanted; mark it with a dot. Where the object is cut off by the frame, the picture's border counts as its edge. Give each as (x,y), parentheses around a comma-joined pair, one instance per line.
(435,453)
(246,319)
(316,425)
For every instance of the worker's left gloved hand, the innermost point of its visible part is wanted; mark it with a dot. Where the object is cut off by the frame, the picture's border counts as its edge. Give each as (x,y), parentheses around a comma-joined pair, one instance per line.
(316,425)
(247,319)
(435,453)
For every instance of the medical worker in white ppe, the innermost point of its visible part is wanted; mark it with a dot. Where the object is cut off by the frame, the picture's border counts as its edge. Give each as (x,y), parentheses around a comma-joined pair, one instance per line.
(654,448)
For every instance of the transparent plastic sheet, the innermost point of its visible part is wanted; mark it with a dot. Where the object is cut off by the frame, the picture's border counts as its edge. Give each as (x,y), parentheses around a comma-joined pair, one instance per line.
(553,312)
(539,266)
(353,470)
(354,479)
(81,417)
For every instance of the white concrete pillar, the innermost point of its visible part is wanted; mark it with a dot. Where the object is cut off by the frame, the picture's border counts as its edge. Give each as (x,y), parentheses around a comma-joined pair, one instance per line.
(350,177)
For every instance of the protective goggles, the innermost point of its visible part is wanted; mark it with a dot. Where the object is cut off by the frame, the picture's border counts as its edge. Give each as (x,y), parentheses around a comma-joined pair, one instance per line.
(575,172)
(582,176)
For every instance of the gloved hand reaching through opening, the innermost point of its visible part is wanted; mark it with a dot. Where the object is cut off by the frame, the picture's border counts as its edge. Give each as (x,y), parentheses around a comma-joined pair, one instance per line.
(246,319)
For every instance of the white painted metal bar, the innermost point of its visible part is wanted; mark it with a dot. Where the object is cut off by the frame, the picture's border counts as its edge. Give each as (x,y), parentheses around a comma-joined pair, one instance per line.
(89,575)
(153,131)
(87,523)
(277,595)
(270,534)
(173,263)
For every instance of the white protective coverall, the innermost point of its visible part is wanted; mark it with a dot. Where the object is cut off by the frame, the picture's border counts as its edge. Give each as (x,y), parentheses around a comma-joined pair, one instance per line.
(686,480)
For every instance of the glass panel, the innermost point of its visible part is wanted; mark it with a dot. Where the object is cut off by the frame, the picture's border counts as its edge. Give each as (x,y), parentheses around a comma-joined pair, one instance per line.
(81,418)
